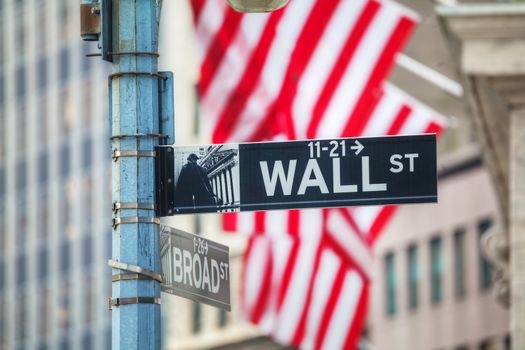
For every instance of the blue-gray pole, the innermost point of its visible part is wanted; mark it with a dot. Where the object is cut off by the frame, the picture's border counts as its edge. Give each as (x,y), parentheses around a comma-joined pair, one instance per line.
(134,122)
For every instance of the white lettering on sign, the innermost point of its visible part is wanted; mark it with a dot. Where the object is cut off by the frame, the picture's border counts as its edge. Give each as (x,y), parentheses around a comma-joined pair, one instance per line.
(278,173)
(338,188)
(318,181)
(367,186)
(313,176)
(397,164)
(411,157)
(196,270)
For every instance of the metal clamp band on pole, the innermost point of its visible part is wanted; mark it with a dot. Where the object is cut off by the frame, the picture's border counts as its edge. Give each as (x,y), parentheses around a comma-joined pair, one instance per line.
(135,220)
(135,269)
(121,74)
(118,154)
(136,300)
(121,136)
(134,53)
(139,206)
(129,277)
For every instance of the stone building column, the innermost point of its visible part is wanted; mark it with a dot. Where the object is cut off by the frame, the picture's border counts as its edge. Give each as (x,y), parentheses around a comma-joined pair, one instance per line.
(232,191)
(224,187)
(488,41)
(517,224)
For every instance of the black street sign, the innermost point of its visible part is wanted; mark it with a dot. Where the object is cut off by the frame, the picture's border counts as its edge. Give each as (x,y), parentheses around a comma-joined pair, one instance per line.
(195,268)
(296,174)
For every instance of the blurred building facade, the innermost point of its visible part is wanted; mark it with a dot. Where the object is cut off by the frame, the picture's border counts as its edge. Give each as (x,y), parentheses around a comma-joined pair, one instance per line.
(55,203)
(489,45)
(55,212)
(433,287)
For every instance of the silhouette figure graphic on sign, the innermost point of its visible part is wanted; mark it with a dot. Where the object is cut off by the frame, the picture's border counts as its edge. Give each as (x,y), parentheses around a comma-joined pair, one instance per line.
(193,187)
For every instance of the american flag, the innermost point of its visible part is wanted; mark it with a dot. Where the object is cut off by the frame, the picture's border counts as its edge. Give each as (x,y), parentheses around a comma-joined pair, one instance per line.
(314,69)
(307,272)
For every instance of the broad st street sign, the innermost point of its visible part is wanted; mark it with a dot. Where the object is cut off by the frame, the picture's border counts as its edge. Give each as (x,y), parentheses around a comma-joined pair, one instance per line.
(296,174)
(195,268)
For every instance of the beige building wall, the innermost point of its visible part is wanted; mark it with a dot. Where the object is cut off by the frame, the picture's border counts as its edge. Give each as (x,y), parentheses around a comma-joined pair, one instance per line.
(466,198)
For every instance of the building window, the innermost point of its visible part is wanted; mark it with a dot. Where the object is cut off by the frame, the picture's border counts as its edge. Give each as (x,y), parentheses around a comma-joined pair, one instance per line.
(87,341)
(20,83)
(43,215)
(64,308)
(41,14)
(413,277)
(390,284)
(87,153)
(487,345)
(3,232)
(20,36)
(2,40)
(3,321)
(43,162)
(459,263)
(21,212)
(21,273)
(108,338)
(223,318)
(197,317)
(2,274)
(65,206)
(65,163)
(2,89)
(43,268)
(2,132)
(21,320)
(507,343)
(87,247)
(41,80)
(485,269)
(436,269)
(65,249)
(43,123)
(21,175)
(88,300)
(64,343)
(44,309)
(64,64)
(2,178)
(21,130)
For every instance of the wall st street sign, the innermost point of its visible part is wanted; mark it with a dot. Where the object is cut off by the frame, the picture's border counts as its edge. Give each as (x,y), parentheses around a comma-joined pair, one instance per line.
(195,268)
(296,174)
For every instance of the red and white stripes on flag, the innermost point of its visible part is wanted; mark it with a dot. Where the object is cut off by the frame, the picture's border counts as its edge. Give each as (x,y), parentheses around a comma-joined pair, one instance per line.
(395,113)
(307,271)
(314,69)
(301,287)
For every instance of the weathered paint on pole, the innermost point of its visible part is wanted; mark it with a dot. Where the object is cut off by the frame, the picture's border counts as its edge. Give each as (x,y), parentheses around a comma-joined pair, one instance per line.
(134,111)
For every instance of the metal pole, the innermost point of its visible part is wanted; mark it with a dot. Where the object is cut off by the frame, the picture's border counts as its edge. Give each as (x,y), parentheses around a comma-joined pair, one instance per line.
(135,117)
